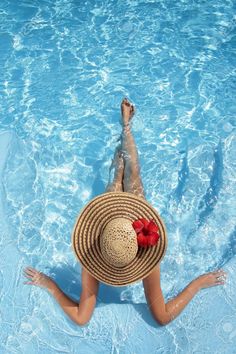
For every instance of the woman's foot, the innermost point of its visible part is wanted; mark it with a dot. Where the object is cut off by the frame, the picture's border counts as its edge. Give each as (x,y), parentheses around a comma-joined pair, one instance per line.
(127,111)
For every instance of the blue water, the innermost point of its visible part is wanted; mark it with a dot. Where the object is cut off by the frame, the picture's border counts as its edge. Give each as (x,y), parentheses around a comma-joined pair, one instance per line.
(64,68)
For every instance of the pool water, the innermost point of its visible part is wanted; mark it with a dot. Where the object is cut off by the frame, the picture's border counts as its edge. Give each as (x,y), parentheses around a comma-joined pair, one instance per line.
(65,67)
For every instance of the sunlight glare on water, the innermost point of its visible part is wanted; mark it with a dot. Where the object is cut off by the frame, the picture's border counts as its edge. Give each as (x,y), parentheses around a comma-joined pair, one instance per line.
(65,67)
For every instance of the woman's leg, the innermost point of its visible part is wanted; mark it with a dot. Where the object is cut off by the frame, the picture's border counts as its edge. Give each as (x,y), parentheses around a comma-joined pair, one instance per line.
(132,180)
(117,184)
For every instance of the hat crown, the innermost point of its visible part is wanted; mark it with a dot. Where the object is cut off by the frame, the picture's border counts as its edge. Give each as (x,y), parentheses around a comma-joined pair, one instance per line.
(118,242)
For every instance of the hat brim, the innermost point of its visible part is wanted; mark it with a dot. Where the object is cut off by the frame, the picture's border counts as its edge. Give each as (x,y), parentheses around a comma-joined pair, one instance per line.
(92,220)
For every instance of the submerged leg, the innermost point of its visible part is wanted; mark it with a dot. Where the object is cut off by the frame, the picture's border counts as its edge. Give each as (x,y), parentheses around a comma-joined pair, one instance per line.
(132,180)
(117,184)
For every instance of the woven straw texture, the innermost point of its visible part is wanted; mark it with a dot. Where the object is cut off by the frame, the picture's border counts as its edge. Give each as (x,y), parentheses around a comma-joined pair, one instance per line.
(91,222)
(118,242)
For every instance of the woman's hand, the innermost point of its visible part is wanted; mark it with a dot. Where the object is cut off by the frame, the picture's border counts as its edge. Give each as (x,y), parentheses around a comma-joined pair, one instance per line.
(207,280)
(37,278)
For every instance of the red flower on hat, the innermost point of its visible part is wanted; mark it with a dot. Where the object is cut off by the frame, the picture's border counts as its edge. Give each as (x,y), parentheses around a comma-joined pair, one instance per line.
(147,232)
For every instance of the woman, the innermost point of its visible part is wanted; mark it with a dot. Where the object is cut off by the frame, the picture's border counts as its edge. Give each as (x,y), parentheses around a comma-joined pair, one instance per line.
(126,179)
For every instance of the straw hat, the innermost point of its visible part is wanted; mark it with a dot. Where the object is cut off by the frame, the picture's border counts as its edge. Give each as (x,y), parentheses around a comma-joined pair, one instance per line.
(105,242)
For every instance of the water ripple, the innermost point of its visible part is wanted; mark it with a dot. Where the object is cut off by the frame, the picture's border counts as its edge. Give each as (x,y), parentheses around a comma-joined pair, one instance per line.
(65,66)
(209,200)
(183,175)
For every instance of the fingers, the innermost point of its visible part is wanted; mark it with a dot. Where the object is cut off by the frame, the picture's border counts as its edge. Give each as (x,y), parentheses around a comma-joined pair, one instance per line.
(28,276)
(217,277)
(30,270)
(220,276)
(220,280)
(28,273)
(219,272)
(32,274)
(219,283)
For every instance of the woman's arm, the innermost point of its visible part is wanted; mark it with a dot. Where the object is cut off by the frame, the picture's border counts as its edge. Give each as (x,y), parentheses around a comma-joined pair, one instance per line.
(80,312)
(70,307)
(165,313)
(176,305)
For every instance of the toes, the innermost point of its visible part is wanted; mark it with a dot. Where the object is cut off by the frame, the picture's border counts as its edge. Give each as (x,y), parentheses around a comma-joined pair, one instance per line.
(128,104)
(132,110)
(126,101)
